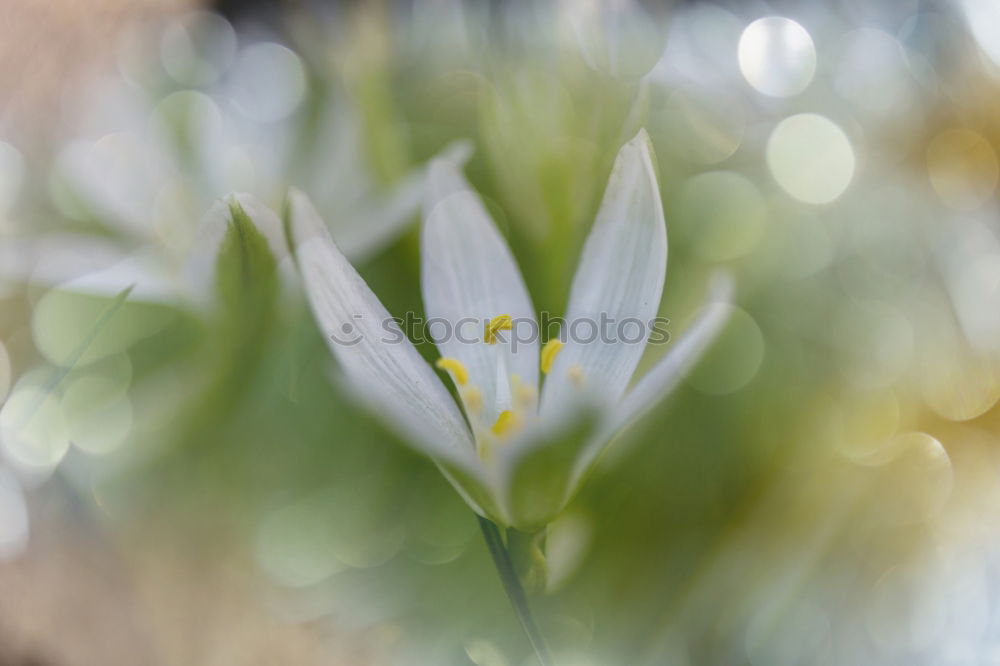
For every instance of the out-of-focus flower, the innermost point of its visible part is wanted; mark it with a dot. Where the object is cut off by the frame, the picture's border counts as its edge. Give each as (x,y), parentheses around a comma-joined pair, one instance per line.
(515,456)
(146,163)
(618,37)
(153,242)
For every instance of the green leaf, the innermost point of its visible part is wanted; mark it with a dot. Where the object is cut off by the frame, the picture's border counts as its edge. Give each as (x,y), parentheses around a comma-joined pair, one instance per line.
(246,271)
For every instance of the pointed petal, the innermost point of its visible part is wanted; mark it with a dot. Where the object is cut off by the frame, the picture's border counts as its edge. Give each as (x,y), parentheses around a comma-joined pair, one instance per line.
(150,281)
(381,364)
(365,229)
(536,471)
(663,377)
(377,223)
(542,475)
(116,178)
(617,287)
(468,277)
(202,262)
(49,259)
(680,358)
(477,486)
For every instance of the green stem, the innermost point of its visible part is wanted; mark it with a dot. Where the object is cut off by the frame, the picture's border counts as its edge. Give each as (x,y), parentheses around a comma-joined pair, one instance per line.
(515,591)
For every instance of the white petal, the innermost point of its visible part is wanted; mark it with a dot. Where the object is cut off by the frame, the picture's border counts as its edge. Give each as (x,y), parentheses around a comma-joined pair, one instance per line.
(660,380)
(384,368)
(365,229)
(536,469)
(116,178)
(619,279)
(146,274)
(203,258)
(469,276)
(50,259)
(682,355)
(370,227)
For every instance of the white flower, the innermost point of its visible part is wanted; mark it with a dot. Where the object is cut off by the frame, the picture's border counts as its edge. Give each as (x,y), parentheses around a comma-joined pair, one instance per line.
(516,454)
(148,191)
(618,37)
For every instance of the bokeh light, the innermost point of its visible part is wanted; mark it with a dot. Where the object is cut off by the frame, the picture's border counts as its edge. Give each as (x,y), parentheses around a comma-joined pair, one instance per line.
(963,168)
(13,517)
(811,158)
(727,211)
(735,359)
(777,56)
(32,428)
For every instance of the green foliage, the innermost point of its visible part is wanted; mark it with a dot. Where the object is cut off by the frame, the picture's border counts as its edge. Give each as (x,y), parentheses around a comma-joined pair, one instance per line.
(246,274)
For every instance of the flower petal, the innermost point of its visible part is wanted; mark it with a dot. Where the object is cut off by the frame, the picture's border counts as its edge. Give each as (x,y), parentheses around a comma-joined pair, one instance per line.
(382,366)
(202,262)
(370,226)
(50,259)
(681,356)
(536,470)
(662,378)
(567,456)
(116,178)
(469,276)
(150,281)
(618,284)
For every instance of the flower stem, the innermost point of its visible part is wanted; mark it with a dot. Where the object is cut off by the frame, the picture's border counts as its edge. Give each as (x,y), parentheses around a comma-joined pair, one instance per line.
(515,591)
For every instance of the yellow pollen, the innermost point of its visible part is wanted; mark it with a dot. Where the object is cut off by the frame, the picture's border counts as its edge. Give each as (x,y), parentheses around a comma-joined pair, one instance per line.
(456,368)
(493,326)
(506,422)
(524,393)
(473,398)
(576,375)
(549,353)
(484,450)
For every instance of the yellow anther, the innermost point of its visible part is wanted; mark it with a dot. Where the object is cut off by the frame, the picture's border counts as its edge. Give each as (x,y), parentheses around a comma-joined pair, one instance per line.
(494,326)
(484,450)
(576,375)
(523,393)
(473,398)
(506,422)
(527,395)
(549,353)
(456,368)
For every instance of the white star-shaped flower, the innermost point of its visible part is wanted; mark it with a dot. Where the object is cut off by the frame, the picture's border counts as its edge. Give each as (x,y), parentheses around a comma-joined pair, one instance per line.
(516,451)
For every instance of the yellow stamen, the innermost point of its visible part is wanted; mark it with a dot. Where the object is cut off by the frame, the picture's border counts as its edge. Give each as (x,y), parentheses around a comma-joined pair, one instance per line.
(506,422)
(493,326)
(484,450)
(576,375)
(549,353)
(473,398)
(524,394)
(456,368)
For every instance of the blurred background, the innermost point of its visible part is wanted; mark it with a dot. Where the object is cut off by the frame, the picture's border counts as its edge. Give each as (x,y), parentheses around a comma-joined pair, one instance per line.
(182,483)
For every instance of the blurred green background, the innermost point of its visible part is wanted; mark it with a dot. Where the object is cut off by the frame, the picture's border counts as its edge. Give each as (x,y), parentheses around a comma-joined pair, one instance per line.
(185,483)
